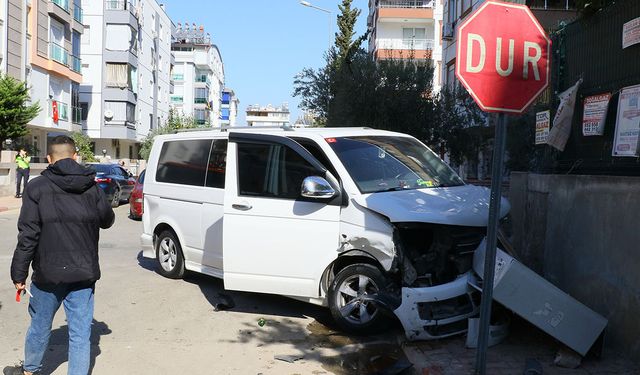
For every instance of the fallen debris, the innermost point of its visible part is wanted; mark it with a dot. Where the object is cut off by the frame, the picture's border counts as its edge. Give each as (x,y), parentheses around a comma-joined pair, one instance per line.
(287,358)
(541,303)
(567,358)
(498,330)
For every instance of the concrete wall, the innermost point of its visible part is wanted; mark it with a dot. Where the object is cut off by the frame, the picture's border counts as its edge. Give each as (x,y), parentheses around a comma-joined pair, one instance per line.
(581,233)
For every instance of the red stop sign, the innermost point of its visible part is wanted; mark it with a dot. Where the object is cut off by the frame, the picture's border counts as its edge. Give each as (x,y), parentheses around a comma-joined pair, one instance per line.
(503,57)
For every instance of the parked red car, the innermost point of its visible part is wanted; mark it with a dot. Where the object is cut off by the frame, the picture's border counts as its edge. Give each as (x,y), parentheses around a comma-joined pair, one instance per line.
(136,200)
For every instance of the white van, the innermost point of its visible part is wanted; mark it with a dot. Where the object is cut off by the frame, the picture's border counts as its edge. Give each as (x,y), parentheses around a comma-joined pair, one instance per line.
(360,220)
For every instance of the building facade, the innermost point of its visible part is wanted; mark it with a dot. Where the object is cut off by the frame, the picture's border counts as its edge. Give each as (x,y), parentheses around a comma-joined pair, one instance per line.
(197,76)
(127,61)
(13,38)
(268,116)
(402,29)
(229,108)
(53,68)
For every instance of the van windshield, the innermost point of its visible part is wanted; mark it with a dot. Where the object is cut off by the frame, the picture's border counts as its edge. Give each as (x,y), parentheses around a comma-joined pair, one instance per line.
(386,163)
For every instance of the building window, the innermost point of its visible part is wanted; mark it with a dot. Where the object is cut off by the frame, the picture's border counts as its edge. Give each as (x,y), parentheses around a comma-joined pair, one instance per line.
(414,38)
(86,36)
(451,75)
(84,110)
(118,75)
(452,11)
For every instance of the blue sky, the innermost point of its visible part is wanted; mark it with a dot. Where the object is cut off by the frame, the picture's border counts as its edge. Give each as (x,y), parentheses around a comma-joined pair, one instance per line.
(264,44)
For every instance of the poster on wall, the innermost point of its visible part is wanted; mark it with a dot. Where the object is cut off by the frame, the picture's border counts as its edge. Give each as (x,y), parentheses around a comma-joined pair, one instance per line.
(631,33)
(542,127)
(595,114)
(625,139)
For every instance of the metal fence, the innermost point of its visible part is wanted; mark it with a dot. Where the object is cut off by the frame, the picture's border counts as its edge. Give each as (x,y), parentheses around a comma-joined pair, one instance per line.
(591,48)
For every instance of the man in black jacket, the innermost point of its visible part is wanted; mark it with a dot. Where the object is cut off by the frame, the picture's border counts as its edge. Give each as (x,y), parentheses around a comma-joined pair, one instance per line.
(58,230)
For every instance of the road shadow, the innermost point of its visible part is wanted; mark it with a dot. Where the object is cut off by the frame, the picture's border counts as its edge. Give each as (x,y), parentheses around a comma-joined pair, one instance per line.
(58,350)
(146,263)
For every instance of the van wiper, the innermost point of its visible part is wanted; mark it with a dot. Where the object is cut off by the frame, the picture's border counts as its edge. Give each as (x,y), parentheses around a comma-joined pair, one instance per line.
(396,188)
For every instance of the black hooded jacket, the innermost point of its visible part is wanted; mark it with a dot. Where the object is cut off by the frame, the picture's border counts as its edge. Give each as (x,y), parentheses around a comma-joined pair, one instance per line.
(58,229)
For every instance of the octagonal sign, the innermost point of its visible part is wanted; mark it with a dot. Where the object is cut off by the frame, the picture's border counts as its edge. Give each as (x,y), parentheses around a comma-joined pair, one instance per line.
(503,57)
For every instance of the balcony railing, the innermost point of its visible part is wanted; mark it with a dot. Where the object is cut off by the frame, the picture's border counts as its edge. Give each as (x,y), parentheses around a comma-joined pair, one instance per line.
(177,98)
(200,100)
(203,78)
(63,110)
(117,5)
(76,64)
(64,4)
(177,77)
(58,53)
(406,4)
(77,13)
(405,44)
(76,115)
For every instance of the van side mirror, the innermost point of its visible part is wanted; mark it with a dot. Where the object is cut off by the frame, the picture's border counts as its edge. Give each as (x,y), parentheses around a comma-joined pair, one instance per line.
(317,187)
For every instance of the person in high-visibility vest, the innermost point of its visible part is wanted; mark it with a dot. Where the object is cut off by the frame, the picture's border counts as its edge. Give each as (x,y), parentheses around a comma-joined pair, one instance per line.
(22,171)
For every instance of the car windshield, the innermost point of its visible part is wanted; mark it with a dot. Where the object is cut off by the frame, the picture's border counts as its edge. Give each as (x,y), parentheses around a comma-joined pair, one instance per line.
(386,163)
(101,168)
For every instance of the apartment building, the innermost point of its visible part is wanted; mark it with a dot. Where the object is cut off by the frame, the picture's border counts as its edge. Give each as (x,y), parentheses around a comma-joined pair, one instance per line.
(13,38)
(402,29)
(53,66)
(268,116)
(126,59)
(229,108)
(198,75)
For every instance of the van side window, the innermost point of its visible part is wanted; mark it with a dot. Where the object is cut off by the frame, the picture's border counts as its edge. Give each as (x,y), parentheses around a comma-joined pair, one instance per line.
(317,153)
(271,170)
(184,162)
(217,164)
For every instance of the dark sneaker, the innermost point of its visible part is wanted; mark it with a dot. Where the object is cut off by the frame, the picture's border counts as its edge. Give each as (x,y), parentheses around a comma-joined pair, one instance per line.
(18,195)
(13,370)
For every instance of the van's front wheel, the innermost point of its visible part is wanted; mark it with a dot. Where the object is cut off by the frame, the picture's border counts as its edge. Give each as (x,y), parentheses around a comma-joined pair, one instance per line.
(169,255)
(351,297)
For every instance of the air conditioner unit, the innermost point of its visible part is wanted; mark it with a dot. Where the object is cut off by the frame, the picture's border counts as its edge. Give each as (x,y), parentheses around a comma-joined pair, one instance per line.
(448,30)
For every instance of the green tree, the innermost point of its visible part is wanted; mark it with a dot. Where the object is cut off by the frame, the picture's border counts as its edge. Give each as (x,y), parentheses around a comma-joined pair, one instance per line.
(15,113)
(175,122)
(345,44)
(83,145)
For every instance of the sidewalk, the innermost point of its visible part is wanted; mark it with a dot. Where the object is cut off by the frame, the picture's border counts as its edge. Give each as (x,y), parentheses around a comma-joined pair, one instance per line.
(450,356)
(8,203)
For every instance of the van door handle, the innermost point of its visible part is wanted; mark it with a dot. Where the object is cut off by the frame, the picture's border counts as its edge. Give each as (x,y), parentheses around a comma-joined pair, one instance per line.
(242,206)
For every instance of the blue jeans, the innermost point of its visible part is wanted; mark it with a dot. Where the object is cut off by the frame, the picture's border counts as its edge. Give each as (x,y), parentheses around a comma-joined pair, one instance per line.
(78,306)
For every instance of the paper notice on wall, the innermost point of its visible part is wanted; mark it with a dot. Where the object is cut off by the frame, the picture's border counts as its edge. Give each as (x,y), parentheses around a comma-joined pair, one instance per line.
(543,120)
(595,114)
(631,33)
(559,133)
(625,139)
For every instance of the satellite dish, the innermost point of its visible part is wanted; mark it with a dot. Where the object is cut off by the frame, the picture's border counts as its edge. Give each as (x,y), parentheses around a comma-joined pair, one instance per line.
(108,114)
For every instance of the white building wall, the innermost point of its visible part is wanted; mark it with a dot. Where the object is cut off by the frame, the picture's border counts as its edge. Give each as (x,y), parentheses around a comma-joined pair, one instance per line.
(91,48)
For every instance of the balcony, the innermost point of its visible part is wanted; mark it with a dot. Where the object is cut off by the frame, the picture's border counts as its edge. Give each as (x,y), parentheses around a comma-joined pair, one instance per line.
(406,4)
(404,48)
(63,4)
(178,77)
(76,64)
(407,10)
(177,99)
(58,53)
(203,78)
(117,5)
(63,110)
(121,12)
(200,100)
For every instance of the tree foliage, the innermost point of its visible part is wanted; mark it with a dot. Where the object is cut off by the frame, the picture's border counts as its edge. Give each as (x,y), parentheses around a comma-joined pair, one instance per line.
(175,122)
(15,113)
(83,145)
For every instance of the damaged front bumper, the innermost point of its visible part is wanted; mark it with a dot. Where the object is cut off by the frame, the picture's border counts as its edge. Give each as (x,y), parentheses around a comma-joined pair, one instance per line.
(428,313)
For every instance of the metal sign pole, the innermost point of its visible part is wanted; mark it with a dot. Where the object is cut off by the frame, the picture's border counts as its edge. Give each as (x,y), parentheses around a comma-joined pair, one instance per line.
(490,253)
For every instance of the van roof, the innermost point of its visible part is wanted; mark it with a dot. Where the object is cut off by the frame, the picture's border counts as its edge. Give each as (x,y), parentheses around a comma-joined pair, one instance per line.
(288,132)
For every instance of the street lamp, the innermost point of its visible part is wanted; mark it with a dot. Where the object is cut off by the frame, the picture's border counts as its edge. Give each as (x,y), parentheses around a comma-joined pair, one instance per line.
(309,5)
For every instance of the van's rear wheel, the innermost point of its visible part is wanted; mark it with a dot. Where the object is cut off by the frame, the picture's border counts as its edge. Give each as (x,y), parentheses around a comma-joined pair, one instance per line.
(169,255)
(350,296)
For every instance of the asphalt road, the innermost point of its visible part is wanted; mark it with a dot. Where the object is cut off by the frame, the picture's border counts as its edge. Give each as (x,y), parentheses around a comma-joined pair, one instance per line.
(147,324)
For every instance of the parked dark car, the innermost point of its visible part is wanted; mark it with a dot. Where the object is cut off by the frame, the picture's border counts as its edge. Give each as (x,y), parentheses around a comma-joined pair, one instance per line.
(136,200)
(115,181)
